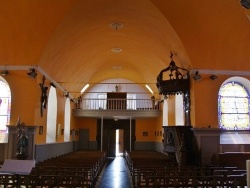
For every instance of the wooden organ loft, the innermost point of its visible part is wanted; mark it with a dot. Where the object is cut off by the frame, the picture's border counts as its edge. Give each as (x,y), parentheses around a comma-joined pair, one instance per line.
(179,141)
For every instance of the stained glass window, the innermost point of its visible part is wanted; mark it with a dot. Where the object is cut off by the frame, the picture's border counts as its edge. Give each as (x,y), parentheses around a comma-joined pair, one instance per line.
(5,99)
(233,104)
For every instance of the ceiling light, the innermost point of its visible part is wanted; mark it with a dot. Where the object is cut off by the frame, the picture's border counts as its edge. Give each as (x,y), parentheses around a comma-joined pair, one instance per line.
(117,67)
(116,25)
(4,72)
(150,90)
(213,77)
(32,73)
(116,50)
(84,88)
(197,76)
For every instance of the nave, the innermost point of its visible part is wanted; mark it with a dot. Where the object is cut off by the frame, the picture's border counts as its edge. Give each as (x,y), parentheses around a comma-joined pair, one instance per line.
(138,169)
(115,174)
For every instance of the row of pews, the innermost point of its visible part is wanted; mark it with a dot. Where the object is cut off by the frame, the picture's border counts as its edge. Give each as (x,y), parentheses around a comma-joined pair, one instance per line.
(76,169)
(154,170)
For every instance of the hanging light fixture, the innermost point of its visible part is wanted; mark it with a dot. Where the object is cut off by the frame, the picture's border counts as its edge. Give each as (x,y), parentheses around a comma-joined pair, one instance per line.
(32,73)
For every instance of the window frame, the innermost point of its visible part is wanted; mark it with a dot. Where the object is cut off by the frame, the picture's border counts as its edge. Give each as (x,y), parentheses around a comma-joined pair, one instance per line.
(230,115)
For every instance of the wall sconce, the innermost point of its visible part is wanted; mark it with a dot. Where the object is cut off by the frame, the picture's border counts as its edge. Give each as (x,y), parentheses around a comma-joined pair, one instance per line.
(213,77)
(66,94)
(197,76)
(4,72)
(32,73)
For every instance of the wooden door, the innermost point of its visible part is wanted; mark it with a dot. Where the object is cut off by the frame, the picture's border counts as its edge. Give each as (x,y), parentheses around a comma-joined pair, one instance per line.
(84,139)
(110,124)
(116,100)
(111,143)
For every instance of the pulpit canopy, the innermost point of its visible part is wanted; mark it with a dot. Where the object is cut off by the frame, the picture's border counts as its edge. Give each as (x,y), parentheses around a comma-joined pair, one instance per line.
(178,82)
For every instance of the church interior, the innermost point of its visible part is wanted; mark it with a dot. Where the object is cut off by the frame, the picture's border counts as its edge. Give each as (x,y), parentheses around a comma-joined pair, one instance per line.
(162,85)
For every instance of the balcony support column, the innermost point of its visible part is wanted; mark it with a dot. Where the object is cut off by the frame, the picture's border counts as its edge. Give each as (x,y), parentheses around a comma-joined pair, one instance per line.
(101,133)
(130,133)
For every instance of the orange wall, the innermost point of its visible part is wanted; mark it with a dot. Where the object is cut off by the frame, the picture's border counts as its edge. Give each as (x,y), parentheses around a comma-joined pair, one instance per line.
(145,125)
(25,93)
(153,128)
(88,123)
(25,104)
(205,102)
(159,129)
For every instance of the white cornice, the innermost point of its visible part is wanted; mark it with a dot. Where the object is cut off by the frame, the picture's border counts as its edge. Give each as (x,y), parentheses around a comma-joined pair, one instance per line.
(221,72)
(39,69)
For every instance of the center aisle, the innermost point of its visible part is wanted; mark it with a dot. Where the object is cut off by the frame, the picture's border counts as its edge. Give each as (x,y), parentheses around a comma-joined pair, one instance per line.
(115,174)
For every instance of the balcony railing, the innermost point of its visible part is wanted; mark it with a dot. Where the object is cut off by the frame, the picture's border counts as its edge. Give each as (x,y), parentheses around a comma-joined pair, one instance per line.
(119,104)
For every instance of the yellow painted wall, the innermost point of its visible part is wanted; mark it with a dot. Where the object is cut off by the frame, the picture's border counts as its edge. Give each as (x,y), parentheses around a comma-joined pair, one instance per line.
(88,123)
(25,104)
(148,126)
(152,126)
(24,94)
(205,103)
(159,129)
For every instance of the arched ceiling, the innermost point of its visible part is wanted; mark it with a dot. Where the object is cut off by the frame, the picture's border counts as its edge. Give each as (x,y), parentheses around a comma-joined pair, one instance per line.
(72,40)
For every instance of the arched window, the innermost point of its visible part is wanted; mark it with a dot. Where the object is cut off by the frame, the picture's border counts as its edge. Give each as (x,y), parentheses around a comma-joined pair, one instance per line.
(51,116)
(233,104)
(5,104)
(67,120)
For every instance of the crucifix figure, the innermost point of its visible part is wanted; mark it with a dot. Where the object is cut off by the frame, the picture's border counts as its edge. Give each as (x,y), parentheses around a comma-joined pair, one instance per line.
(44,96)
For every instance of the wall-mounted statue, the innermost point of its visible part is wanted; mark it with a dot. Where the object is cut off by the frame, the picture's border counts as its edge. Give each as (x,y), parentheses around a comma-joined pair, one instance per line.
(44,97)
(22,140)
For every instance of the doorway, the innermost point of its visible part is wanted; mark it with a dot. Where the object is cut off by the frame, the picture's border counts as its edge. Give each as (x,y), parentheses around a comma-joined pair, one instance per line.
(117,136)
(119,142)
(115,142)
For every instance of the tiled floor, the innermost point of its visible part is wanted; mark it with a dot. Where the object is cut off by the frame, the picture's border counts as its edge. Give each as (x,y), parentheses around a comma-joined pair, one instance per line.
(115,174)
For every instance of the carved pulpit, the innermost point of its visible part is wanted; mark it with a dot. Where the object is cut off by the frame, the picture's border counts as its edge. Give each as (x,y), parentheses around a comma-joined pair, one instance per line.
(179,141)
(181,145)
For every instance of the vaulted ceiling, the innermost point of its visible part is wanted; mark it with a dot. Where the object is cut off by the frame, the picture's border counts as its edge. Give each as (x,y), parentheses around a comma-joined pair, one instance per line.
(88,41)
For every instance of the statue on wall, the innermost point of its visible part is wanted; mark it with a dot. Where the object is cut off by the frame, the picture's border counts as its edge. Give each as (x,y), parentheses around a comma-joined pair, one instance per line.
(22,140)
(44,96)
